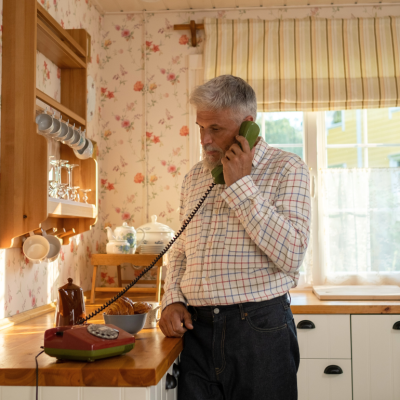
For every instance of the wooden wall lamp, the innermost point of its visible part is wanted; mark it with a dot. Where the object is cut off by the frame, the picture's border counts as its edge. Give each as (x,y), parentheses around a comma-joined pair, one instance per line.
(192,26)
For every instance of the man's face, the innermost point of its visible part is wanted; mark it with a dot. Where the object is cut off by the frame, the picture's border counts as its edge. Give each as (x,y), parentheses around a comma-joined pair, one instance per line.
(217,132)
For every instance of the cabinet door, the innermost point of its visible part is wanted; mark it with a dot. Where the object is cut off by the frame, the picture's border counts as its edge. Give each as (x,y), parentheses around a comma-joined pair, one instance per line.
(314,384)
(160,392)
(376,357)
(329,339)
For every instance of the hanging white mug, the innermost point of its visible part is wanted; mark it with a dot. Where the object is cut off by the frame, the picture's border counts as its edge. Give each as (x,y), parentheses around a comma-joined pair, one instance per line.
(55,247)
(36,248)
(44,122)
(86,151)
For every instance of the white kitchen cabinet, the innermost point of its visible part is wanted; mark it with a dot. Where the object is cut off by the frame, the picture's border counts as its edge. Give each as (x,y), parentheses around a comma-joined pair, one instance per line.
(158,392)
(329,339)
(314,384)
(376,357)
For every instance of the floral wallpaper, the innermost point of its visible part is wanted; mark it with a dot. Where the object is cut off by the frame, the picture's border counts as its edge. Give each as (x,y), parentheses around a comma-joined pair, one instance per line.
(140,69)
(23,285)
(145,114)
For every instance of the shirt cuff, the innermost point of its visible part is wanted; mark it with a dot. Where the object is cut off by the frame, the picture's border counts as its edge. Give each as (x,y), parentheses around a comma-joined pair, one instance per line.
(173,297)
(240,191)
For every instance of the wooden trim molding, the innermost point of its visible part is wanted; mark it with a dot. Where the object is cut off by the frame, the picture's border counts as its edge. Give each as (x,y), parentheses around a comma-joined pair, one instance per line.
(26,315)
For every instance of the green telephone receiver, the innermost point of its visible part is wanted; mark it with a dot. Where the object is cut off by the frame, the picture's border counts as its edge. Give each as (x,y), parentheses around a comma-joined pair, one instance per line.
(250,130)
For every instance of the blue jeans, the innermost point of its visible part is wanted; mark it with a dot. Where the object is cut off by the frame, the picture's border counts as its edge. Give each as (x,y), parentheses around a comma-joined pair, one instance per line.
(246,351)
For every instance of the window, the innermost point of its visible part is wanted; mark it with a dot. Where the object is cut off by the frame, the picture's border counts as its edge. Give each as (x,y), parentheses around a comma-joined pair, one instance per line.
(393,110)
(394,160)
(368,140)
(283,130)
(354,161)
(334,119)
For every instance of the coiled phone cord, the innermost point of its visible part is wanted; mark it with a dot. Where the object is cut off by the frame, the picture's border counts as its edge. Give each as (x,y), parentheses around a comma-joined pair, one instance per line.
(126,288)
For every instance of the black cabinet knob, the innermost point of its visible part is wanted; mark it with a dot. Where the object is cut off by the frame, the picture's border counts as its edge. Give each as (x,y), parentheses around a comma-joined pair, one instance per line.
(396,325)
(305,324)
(175,371)
(170,382)
(333,370)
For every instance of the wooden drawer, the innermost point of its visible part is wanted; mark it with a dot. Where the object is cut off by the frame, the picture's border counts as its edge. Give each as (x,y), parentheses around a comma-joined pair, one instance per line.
(314,384)
(329,339)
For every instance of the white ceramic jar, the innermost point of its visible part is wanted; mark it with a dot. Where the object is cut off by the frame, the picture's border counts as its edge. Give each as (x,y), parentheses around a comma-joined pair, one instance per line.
(118,247)
(157,234)
(124,232)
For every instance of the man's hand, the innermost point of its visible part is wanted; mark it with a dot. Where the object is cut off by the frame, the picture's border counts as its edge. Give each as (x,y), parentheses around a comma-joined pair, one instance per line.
(237,162)
(171,319)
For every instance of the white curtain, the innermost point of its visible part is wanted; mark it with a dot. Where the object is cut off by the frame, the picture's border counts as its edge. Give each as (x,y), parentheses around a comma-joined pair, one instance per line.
(360,211)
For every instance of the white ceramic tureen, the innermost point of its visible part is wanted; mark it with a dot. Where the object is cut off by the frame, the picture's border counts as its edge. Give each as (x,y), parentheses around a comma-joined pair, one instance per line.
(157,234)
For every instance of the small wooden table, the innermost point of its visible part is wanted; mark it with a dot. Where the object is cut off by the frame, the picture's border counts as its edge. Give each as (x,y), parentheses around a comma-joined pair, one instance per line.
(141,260)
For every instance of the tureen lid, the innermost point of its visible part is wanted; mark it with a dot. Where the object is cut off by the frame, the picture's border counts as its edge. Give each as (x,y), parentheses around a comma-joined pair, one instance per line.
(155,226)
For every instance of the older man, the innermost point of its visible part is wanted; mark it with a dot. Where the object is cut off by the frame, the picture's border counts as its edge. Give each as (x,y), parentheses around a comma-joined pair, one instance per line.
(229,274)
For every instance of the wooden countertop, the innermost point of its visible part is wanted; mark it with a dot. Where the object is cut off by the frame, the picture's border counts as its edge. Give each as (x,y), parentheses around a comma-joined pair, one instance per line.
(305,302)
(145,365)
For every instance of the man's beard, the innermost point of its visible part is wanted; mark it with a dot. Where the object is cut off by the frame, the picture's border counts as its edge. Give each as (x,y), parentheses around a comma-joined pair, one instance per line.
(207,162)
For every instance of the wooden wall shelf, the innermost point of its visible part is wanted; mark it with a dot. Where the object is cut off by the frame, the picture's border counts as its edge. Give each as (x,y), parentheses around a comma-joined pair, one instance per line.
(55,49)
(60,208)
(65,111)
(58,31)
(24,201)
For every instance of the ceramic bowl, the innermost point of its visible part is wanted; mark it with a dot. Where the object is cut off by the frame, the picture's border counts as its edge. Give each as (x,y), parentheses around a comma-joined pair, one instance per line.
(129,323)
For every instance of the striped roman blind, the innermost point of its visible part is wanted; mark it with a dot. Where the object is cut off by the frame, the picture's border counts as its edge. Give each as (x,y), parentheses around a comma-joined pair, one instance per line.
(309,64)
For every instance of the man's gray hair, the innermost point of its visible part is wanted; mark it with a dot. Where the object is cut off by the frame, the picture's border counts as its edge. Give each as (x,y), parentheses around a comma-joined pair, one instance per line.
(226,92)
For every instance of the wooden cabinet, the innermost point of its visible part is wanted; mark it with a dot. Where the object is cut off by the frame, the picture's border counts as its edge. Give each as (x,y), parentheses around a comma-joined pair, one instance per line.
(157,392)
(376,357)
(24,201)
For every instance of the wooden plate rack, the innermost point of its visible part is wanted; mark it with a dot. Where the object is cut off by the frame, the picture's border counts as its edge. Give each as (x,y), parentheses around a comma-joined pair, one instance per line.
(24,201)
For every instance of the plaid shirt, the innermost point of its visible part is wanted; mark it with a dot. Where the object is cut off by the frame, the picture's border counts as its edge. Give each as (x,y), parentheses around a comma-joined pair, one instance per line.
(248,240)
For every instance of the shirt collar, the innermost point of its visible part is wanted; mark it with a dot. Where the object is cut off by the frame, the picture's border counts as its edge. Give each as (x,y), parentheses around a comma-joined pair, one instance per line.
(261,149)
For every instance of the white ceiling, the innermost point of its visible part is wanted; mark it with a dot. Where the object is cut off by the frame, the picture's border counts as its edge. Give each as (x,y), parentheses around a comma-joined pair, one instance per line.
(111,6)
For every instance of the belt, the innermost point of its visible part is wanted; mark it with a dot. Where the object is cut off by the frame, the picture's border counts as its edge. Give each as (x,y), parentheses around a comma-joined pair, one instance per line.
(206,313)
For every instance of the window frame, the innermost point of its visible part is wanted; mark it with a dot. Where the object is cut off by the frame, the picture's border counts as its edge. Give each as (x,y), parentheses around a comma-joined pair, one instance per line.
(314,155)
(315,148)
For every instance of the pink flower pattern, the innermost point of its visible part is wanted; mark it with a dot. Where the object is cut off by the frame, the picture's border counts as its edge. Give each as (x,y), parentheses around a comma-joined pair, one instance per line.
(154,162)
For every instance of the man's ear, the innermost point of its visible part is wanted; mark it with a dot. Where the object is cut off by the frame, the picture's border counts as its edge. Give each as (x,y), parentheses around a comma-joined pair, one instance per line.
(249,118)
